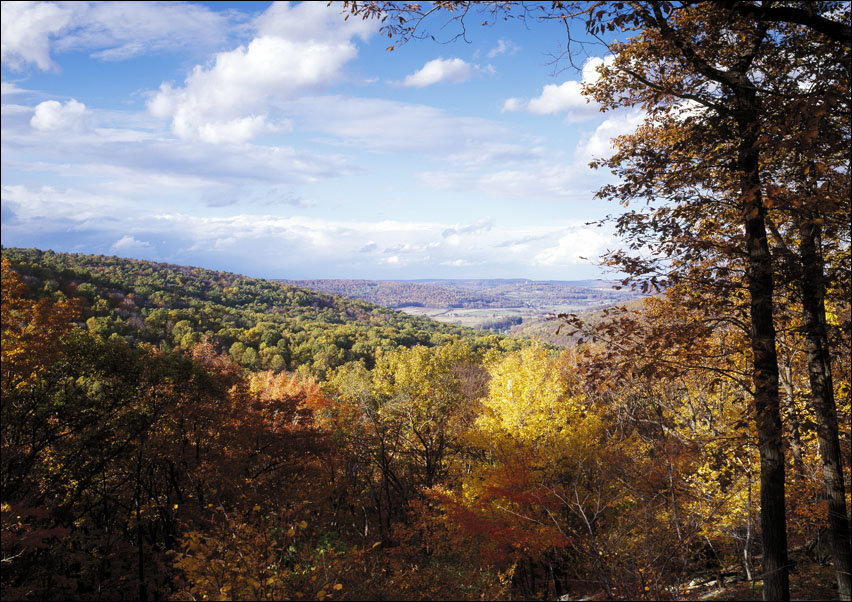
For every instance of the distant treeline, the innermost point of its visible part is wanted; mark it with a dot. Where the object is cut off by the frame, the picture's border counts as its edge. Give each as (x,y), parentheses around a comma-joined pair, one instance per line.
(470,294)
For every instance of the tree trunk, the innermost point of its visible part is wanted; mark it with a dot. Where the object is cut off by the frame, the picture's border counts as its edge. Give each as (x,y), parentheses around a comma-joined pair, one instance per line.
(822,394)
(786,374)
(773,520)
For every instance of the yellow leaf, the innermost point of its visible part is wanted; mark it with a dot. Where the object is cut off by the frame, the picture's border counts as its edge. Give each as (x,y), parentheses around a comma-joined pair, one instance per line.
(338,586)
(175,506)
(303,525)
(291,532)
(256,508)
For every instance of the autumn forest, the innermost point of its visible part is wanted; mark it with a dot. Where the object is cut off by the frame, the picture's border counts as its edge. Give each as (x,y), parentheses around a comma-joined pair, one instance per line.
(173,432)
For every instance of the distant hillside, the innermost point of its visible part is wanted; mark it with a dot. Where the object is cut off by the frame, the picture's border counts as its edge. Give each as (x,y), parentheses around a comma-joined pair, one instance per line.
(517,306)
(263,324)
(472,293)
(400,293)
(550,329)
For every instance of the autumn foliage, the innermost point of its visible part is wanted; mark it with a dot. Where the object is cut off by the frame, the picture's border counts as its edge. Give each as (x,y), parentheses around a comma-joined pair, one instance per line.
(621,467)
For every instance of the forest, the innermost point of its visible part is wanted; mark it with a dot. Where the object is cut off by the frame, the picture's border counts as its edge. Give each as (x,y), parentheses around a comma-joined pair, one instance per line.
(178,433)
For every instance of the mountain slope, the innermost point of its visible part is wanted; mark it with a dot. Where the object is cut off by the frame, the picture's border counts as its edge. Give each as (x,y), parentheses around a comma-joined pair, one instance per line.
(261,323)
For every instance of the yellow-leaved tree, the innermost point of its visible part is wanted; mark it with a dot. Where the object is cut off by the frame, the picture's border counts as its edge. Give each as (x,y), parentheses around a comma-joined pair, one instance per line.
(546,479)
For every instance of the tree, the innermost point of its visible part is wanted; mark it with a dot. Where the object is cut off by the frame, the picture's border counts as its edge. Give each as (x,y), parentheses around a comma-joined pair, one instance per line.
(756,94)
(400,422)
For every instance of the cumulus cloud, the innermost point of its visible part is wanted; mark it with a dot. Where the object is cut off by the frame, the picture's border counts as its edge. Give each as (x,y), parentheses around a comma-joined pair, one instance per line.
(26,31)
(298,48)
(514,104)
(599,143)
(453,70)
(128,244)
(554,99)
(110,30)
(563,98)
(307,21)
(52,116)
(575,247)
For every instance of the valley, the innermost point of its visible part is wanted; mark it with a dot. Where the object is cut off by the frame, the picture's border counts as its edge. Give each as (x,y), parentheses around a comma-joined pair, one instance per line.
(500,305)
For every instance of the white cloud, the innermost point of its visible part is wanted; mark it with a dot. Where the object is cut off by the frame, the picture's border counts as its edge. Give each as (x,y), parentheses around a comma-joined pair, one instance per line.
(128,244)
(689,109)
(503,47)
(52,116)
(555,99)
(121,30)
(482,225)
(540,173)
(563,98)
(591,67)
(443,70)
(387,125)
(576,247)
(308,21)
(514,104)
(236,130)
(297,49)
(140,161)
(44,204)
(26,30)
(492,153)
(111,30)
(599,143)
(11,89)
(305,246)
(552,178)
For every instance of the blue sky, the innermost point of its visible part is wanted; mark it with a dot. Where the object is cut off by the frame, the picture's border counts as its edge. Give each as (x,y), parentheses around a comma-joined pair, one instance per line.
(278,140)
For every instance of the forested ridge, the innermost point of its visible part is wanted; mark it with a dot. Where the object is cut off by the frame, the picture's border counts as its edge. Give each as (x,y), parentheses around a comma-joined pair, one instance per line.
(261,324)
(468,293)
(171,432)
(401,294)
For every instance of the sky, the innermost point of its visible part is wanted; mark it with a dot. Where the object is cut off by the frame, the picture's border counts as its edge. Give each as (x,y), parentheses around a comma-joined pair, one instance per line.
(279,140)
